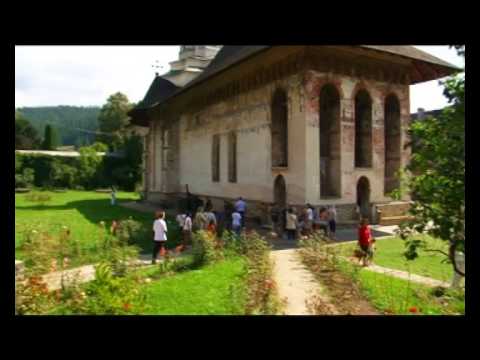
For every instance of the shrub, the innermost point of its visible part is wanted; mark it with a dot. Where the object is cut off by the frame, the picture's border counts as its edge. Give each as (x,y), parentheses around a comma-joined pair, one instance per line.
(45,252)
(112,295)
(64,175)
(24,179)
(38,197)
(90,165)
(205,250)
(107,294)
(131,232)
(261,296)
(99,146)
(32,297)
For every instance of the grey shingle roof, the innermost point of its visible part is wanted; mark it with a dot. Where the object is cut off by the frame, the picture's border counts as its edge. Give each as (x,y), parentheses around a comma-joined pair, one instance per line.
(159,90)
(425,67)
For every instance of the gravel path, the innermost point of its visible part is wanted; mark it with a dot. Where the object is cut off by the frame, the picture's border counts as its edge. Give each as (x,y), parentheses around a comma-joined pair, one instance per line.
(407,276)
(296,285)
(86,273)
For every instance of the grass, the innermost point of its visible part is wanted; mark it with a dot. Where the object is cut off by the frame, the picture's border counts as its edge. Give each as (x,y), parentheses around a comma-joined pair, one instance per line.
(82,212)
(397,296)
(204,291)
(389,253)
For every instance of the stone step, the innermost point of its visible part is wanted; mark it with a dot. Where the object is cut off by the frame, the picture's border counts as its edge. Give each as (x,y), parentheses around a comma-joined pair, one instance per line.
(394,220)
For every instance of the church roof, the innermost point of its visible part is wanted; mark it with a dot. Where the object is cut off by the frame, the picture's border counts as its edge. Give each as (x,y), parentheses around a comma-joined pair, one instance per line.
(425,67)
(159,90)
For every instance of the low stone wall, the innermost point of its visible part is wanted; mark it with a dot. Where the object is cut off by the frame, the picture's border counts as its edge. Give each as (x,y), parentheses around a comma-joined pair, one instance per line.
(396,208)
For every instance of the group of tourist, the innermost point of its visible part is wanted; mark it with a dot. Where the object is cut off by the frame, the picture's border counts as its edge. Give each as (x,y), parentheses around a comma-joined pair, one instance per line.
(287,221)
(205,218)
(291,222)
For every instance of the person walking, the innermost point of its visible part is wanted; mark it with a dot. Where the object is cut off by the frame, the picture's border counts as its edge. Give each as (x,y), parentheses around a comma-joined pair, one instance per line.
(291,224)
(236,222)
(332,220)
(275,214)
(200,222)
(187,230)
(113,196)
(241,208)
(211,217)
(160,235)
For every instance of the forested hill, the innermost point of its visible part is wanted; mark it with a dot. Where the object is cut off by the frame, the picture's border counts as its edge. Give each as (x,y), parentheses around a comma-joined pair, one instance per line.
(67,120)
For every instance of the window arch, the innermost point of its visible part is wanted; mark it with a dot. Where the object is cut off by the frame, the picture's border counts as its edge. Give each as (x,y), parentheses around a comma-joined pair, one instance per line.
(363,129)
(279,129)
(392,143)
(329,141)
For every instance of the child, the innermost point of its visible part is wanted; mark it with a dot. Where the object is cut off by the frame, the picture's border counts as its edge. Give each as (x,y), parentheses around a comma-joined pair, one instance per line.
(160,235)
(365,241)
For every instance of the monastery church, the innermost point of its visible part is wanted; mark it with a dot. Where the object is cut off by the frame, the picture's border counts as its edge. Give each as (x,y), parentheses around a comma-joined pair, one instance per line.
(288,124)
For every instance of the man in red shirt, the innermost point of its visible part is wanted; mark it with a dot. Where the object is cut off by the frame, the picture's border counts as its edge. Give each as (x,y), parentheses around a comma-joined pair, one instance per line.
(365,240)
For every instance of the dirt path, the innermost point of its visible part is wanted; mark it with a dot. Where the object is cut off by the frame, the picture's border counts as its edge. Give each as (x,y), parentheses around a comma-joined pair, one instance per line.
(86,273)
(404,275)
(296,285)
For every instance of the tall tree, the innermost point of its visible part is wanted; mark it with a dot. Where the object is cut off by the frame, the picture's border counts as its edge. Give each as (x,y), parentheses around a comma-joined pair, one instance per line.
(439,183)
(51,139)
(26,137)
(113,118)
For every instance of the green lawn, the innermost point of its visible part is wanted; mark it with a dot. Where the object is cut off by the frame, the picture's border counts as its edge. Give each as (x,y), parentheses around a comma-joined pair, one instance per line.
(398,296)
(389,253)
(205,291)
(82,212)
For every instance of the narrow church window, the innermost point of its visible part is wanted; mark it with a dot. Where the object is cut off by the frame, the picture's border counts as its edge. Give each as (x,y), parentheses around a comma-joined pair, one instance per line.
(329,142)
(216,158)
(279,129)
(232,157)
(363,129)
(392,143)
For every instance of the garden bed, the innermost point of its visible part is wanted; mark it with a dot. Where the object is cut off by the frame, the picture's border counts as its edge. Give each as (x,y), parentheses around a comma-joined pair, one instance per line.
(351,287)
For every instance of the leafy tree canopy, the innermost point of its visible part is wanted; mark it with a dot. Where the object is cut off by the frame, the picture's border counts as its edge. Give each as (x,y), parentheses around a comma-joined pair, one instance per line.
(439,165)
(26,137)
(113,119)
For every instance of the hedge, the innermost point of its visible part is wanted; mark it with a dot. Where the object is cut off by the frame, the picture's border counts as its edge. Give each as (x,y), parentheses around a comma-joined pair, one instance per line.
(75,172)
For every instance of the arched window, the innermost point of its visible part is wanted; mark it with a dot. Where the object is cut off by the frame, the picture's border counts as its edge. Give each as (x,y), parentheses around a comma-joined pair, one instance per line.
(363,129)
(329,142)
(279,129)
(216,158)
(392,143)
(232,157)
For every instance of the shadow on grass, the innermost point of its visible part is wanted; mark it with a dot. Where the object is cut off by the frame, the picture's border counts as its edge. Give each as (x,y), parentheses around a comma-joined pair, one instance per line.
(97,210)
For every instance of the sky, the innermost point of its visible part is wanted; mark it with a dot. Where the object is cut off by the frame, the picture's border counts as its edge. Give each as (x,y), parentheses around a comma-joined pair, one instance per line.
(87,75)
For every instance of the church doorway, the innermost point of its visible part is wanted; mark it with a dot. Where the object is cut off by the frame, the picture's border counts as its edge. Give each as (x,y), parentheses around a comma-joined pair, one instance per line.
(363,196)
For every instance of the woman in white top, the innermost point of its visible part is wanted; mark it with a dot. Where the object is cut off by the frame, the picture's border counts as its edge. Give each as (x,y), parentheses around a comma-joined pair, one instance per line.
(160,234)
(187,230)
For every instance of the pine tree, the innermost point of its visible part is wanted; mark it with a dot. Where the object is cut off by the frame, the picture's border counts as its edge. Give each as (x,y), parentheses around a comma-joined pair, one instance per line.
(51,139)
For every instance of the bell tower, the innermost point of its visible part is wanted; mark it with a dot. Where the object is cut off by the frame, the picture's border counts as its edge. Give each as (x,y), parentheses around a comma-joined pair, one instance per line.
(193,59)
